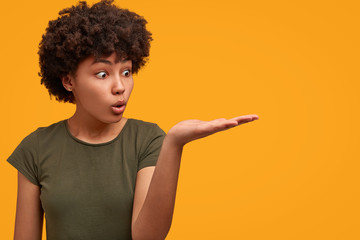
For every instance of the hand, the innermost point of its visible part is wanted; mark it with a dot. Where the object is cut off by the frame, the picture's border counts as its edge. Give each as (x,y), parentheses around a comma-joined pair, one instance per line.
(189,130)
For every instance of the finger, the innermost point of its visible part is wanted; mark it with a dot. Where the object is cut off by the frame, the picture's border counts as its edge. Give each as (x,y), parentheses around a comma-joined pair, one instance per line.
(223,121)
(223,125)
(245,118)
(248,116)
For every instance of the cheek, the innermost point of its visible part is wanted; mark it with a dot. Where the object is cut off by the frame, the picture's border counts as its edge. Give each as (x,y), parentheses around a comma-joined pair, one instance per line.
(92,94)
(130,88)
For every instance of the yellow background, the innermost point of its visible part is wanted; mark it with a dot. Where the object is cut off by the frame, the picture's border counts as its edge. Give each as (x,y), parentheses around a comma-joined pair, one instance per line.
(293,174)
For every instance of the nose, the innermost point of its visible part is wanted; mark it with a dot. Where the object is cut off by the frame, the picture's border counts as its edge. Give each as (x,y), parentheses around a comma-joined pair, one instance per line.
(118,86)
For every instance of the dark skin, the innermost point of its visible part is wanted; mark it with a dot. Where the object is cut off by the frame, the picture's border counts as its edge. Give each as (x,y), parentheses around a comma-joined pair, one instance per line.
(154,206)
(94,121)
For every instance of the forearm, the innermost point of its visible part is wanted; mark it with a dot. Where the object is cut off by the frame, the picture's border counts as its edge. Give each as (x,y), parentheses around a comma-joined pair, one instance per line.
(155,216)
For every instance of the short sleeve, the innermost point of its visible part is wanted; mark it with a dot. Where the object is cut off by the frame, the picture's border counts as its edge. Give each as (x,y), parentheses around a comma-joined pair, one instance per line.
(24,158)
(153,146)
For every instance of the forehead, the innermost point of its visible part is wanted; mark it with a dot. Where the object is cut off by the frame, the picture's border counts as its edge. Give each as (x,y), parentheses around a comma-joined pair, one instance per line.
(92,60)
(107,59)
(113,57)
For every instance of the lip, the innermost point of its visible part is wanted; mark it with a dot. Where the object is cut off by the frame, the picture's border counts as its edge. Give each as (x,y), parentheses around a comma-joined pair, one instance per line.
(118,103)
(118,110)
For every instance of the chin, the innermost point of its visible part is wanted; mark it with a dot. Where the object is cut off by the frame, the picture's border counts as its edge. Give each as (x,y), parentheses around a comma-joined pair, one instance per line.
(112,119)
(117,118)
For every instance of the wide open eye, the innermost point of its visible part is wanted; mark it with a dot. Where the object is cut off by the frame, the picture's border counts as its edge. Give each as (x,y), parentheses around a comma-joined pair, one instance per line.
(127,73)
(101,74)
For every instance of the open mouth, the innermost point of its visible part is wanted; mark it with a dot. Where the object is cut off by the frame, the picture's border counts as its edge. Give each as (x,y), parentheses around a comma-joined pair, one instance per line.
(118,105)
(118,109)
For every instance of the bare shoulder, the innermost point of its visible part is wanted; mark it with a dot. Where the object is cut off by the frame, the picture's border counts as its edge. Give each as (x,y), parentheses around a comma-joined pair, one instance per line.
(29,213)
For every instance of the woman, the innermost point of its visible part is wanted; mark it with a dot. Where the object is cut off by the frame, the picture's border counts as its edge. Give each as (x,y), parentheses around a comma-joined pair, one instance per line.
(98,175)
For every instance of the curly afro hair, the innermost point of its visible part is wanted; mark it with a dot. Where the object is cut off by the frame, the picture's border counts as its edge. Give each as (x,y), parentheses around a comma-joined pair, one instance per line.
(82,31)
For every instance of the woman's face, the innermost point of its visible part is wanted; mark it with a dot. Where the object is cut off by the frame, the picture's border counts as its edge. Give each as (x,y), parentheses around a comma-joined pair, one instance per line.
(102,88)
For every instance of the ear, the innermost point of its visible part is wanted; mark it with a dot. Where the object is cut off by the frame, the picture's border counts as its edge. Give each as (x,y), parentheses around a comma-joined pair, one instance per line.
(67,82)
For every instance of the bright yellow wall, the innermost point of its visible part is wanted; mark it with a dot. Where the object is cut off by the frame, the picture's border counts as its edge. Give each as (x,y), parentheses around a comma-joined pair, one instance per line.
(293,174)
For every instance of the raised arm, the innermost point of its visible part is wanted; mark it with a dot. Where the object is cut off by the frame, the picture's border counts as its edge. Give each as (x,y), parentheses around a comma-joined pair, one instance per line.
(29,213)
(154,202)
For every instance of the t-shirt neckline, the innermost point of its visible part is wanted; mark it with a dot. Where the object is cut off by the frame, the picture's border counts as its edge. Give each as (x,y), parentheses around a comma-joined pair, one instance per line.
(94,144)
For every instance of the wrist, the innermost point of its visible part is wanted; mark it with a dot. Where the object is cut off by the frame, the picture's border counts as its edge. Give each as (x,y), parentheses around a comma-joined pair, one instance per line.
(171,141)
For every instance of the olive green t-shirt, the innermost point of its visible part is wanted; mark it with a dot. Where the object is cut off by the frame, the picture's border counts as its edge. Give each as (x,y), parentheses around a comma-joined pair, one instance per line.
(87,189)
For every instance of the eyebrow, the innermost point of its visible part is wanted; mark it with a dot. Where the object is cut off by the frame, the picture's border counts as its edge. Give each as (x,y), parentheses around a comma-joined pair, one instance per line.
(106,61)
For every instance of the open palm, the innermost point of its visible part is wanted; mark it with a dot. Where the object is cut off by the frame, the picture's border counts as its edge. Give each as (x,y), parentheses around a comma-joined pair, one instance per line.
(189,130)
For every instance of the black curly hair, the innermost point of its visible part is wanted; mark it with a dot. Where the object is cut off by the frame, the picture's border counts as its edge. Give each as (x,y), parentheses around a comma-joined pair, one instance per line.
(82,31)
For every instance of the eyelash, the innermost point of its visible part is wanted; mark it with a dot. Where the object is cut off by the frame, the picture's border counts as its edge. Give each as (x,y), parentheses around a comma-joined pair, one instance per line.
(108,74)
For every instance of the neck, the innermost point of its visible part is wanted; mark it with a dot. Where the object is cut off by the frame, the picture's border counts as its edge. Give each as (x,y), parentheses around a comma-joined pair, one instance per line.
(89,129)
